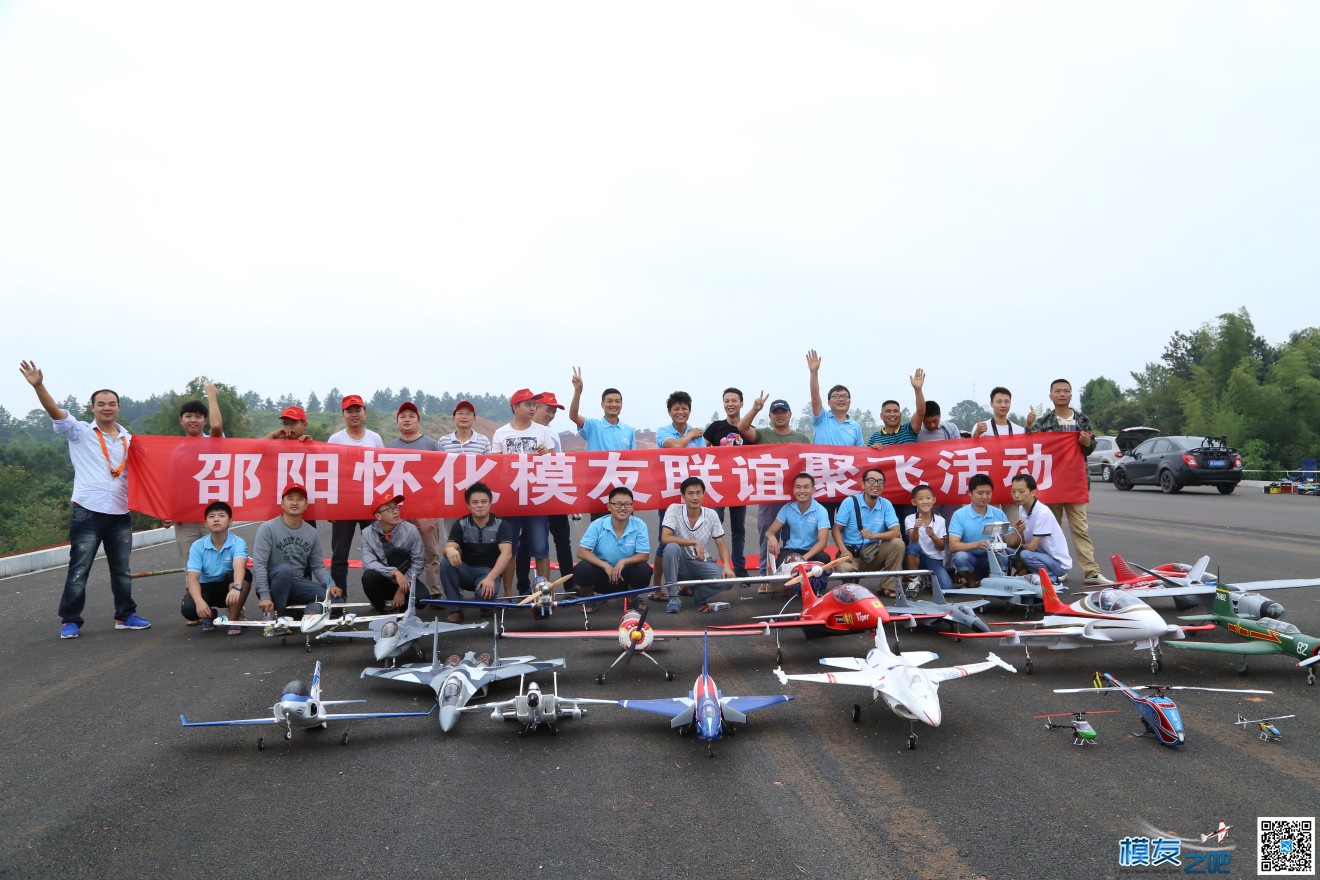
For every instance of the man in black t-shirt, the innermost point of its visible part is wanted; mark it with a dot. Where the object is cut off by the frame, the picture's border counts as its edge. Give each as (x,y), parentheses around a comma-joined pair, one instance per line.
(479,550)
(725,433)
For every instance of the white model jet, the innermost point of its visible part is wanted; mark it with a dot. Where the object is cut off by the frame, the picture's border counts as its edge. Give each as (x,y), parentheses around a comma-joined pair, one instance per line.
(899,679)
(532,708)
(304,709)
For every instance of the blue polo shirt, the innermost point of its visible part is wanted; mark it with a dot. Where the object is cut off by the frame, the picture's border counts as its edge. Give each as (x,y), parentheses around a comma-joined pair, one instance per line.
(601,540)
(874,519)
(216,566)
(803,528)
(601,435)
(968,525)
(829,431)
(669,432)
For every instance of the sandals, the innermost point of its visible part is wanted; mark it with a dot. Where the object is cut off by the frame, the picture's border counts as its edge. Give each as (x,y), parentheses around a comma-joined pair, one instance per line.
(234,631)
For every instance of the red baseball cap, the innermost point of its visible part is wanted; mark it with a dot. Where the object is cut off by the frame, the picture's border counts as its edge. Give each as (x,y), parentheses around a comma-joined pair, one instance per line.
(294,412)
(397,499)
(522,394)
(352,400)
(293,487)
(406,405)
(548,398)
(465,404)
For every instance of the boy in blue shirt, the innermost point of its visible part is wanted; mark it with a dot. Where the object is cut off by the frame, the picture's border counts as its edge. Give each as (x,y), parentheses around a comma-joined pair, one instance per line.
(218,575)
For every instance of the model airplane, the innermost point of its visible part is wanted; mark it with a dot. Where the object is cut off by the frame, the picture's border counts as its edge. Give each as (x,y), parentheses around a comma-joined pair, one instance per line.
(1022,590)
(541,601)
(1264,635)
(1268,731)
(959,615)
(908,689)
(393,634)
(635,637)
(456,681)
(826,611)
(304,709)
(531,708)
(316,617)
(1105,617)
(1159,713)
(705,709)
(1189,585)
(1083,733)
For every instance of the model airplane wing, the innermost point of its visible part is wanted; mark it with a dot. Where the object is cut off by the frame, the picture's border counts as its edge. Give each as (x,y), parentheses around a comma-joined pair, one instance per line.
(842,662)
(269,719)
(736,706)
(1243,648)
(412,673)
(948,673)
(613,634)
(352,715)
(861,679)
(678,709)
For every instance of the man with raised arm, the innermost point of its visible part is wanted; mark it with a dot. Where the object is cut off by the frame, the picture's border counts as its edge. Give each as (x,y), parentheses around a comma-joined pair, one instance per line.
(724,432)
(193,417)
(780,431)
(604,433)
(891,432)
(99,452)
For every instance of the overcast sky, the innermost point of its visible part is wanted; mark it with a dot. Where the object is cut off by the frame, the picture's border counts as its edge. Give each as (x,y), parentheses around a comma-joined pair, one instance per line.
(296,196)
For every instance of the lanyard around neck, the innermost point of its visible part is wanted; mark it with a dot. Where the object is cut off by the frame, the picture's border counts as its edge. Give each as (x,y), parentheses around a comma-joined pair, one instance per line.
(105,450)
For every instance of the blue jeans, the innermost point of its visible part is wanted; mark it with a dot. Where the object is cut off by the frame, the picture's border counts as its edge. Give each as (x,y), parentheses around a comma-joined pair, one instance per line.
(977,561)
(89,530)
(934,565)
(1034,559)
(738,541)
(464,577)
(535,530)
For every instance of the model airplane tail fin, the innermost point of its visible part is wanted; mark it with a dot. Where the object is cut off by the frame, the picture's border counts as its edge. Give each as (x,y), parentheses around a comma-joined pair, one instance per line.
(705,652)
(1048,596)
(935,592)
(316,681)
(1222,604)
(1122,571)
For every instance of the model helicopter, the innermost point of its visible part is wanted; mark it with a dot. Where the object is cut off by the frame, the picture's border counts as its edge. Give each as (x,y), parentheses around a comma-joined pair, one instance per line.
(1083,733)
(1159,713)
(532,708)
(304,709)
(899,679)
(1268,731)
(705,709)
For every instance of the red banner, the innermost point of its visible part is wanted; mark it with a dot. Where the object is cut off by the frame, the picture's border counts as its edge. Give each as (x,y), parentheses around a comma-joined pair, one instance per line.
(175,477)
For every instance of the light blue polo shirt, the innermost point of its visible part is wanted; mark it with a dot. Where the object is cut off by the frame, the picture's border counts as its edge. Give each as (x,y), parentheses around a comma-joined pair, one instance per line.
(968,525)
(601,540)
(669,432)
(874,519)
(803,528)
(216,566)
(601,435)
(829,431)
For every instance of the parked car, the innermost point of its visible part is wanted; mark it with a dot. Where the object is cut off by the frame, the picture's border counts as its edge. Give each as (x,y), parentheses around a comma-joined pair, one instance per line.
(1108,450)
(1177,461)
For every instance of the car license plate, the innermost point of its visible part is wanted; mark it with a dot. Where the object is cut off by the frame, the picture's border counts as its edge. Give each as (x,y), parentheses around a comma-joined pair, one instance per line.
(1218,462)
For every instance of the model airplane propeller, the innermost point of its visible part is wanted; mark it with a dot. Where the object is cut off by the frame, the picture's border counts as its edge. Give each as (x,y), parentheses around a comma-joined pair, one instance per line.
(910,691)
(1105,617)
(1268,731)
(1083,733)
(304,709)
(541,601)
(532,708)
(1159,713)
(705,709)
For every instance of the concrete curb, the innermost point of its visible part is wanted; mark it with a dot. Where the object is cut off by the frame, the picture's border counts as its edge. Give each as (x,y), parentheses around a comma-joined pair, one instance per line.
(54,557)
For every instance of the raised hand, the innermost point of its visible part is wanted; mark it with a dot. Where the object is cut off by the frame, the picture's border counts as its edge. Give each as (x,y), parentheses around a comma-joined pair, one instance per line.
(813,361)
(30,372)
(577,379)
(918,379)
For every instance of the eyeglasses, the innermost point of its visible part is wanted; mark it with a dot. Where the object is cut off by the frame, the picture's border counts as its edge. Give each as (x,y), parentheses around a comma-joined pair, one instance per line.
(840,397)
(389,508)
(621,505)
(873,482)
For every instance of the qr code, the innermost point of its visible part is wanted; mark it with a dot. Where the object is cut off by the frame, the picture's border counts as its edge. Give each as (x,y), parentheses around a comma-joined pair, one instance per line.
(1285,845)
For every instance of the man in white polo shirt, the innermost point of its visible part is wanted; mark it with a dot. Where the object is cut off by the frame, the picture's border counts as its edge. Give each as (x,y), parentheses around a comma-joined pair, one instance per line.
(99,452)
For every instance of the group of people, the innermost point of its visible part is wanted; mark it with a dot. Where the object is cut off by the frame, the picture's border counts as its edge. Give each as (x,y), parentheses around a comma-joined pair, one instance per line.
(489,555)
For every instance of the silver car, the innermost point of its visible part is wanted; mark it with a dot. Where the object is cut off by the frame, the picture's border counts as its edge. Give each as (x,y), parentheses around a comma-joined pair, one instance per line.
(1108,450)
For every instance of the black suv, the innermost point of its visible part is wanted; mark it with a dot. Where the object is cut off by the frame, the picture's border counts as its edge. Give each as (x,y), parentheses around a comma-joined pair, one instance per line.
(1174,462)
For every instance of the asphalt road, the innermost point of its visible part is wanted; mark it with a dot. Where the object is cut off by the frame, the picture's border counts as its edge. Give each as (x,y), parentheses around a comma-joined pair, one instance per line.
(100,779)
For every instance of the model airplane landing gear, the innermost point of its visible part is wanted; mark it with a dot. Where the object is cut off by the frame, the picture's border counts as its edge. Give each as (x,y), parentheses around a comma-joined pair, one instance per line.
(1310,676)
(857,712)
(1030,667)
(261,744)
(1156,660)
(343,740)
(912,741)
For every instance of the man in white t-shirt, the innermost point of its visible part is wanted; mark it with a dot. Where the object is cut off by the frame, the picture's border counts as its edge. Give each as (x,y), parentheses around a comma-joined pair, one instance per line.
(355,433)
(523,436)
(685,532)
(1044,545)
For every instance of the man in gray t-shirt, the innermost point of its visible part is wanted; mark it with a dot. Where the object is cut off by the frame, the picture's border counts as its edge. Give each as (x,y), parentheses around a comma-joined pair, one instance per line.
(288,564)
